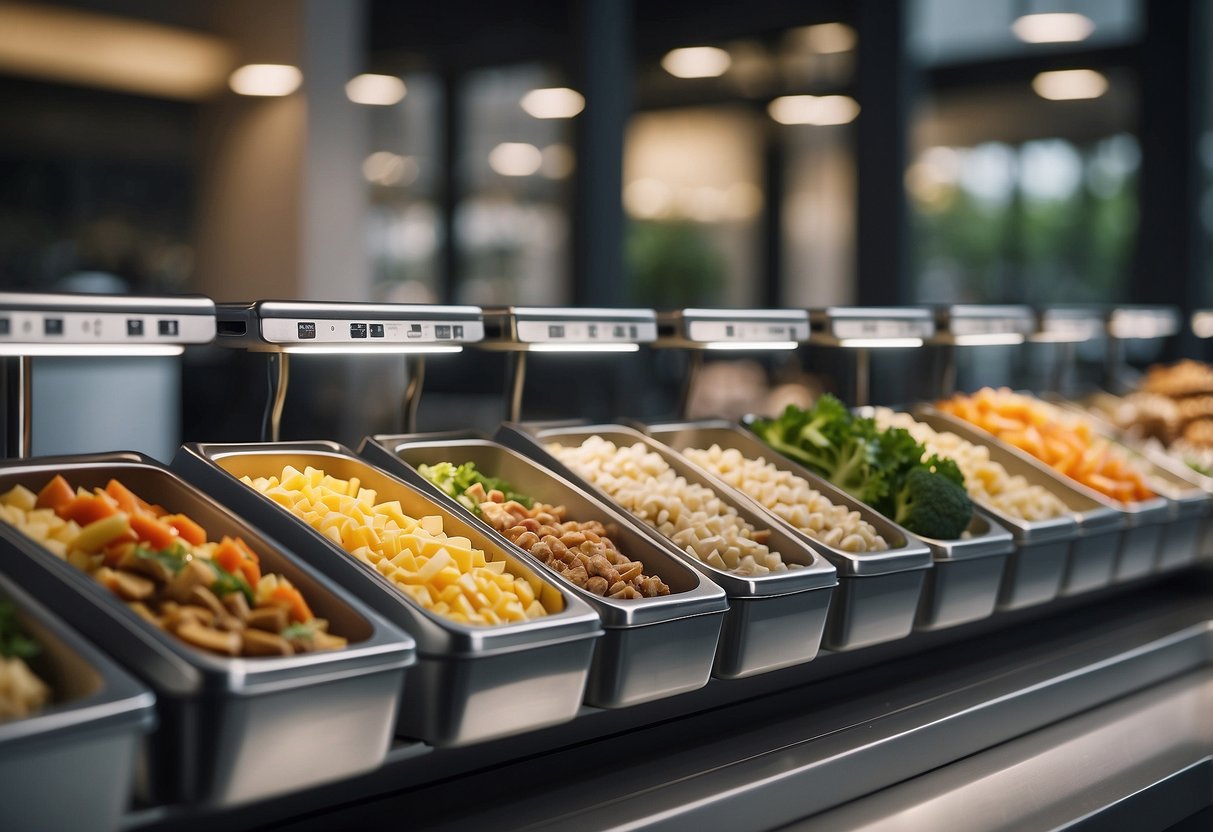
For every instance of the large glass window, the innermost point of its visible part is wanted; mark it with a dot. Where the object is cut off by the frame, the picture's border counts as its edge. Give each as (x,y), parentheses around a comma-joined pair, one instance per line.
(692,186)
(403,169)
(512,221)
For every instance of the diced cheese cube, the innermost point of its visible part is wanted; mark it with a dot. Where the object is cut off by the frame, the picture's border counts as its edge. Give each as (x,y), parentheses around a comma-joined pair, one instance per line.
(446,576)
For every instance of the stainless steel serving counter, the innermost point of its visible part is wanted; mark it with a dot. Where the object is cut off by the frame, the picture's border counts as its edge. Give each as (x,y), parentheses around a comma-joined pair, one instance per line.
(1023,720)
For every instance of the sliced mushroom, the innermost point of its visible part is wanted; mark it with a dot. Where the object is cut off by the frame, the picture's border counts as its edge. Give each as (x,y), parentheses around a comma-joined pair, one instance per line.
(260,643)
(217,641)
(189,614)
(271,619)
(126,585)
(196,573)
(153,568)
(237,605)
(203,597)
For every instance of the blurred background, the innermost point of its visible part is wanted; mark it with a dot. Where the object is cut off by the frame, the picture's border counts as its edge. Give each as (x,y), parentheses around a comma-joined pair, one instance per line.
(661,153)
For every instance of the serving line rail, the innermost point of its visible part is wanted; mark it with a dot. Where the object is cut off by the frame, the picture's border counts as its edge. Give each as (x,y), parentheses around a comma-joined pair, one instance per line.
(778,748)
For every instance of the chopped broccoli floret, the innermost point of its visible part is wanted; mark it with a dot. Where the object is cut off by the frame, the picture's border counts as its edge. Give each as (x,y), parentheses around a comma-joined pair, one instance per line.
(874,466)
(825,440)
(931,504)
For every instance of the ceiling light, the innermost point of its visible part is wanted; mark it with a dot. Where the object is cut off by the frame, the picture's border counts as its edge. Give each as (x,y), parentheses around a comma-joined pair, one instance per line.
(571,347)
(90,350)
(1070,84)
(1055,27)
(386,168)
(696,62)
(828,38)
(375,90)
(265,80)
(101,50)
(515,159)
(553,102)
(819,110)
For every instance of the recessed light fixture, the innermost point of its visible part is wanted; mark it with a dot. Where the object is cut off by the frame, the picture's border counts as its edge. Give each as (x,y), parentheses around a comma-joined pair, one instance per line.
(265,80)
(1070,84)
(553,102)
(828,38)
(697,62)
(814,109)
(515,159)
(375,90)
(1054,27)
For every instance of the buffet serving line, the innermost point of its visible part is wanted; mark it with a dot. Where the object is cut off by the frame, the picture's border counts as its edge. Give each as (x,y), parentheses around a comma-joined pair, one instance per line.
(859,615)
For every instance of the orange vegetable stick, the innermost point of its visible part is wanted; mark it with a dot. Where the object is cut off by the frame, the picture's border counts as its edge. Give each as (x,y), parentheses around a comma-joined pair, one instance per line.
(87,509)
(228,556)
(1069,445)
(158,535)
(127,500)
(292,599)
(56,494)
(189,531)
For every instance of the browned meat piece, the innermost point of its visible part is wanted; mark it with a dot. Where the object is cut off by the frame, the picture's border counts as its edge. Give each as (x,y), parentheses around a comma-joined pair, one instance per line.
(217,641)
(260,643)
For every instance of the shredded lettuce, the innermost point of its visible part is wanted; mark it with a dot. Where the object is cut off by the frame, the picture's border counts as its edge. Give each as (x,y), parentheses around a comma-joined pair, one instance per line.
(455,480)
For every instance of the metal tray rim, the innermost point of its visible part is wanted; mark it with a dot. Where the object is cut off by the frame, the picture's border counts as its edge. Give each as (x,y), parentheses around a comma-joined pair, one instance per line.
(704,598)
(992,541)
(826,572)
(576,620)
(120,701)
(385,648)
(1103,516)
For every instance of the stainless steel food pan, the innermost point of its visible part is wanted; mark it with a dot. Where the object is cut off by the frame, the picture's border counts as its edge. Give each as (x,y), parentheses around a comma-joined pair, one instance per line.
(470,683)
(1122,533)
(906,552)
(232,730)
(965,582)
(758,606)
(1036,567)
(1189,492)
(962,586)
(86,738)
(1189,510)
(651,647)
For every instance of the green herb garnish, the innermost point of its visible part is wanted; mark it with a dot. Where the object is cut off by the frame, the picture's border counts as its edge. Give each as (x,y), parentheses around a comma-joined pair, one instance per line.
(227,582)
(14,643)
(454,481)
(301,631)
(175,557)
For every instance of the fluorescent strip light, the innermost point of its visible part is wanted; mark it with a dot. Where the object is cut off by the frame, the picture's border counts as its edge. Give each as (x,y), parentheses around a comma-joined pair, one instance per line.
(558,347)
(697,62)
(90,350)
(1074,336)
(1053,27)
(820,110)
(265,80)
(369,349)
(990,339)
(1202,324)
(878,343)
(553,102)
(750,345)
(1070,84)
(515,159)
(375,90)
